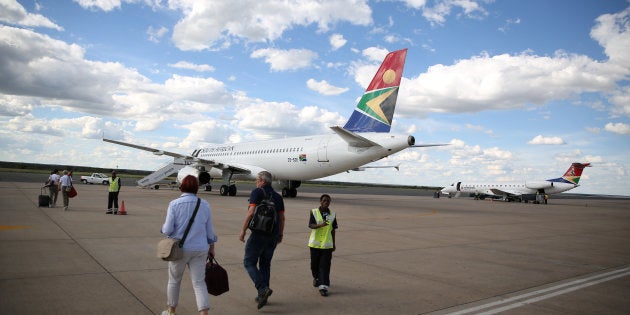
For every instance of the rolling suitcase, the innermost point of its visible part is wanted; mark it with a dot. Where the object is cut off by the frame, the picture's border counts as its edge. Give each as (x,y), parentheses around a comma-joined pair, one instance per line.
(44,199)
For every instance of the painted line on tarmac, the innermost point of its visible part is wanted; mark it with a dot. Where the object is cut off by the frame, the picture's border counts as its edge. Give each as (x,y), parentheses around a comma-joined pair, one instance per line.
(14,227)
(543,294)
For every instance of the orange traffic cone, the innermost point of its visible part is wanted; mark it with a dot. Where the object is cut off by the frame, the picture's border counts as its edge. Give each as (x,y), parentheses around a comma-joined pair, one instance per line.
(122,210)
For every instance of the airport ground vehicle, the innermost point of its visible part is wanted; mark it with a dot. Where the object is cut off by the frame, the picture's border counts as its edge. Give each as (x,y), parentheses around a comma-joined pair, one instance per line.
(95,178)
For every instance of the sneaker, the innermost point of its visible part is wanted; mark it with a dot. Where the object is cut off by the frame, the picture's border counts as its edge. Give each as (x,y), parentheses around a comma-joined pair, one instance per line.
(263,296)
(65,208)
(109,211)
(323,292)
(316,282)
(167,312)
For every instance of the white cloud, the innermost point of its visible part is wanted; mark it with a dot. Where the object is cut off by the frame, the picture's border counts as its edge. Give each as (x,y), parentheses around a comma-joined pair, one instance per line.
(155,35)
(620,128)
(612,31)
(337,41)
(504,82)
(259,119)
(216,24)
(437,14)
(539,139)
(324,88)
(60,76)
(192,66)
(286,60)
(14,13)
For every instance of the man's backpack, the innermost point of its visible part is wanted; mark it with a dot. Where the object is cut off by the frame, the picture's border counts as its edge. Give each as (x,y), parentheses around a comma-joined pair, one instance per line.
(264,218)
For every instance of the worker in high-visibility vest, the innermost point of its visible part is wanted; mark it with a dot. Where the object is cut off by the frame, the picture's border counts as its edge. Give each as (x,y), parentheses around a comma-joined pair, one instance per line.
(323,223)
(112,198)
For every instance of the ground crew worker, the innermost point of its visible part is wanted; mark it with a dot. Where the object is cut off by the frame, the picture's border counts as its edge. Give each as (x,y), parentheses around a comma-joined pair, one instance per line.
(323,223)
(112,198)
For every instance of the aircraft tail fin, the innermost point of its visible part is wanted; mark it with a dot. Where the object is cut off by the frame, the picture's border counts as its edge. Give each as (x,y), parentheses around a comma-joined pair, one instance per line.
(573,174)
(375,110)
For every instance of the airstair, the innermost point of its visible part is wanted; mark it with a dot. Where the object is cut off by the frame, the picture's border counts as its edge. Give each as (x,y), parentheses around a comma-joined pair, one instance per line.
(163,172)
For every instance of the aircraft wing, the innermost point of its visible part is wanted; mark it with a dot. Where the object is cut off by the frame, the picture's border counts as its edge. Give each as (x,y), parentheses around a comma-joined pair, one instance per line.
(429,145)
(500,192)
(211,163)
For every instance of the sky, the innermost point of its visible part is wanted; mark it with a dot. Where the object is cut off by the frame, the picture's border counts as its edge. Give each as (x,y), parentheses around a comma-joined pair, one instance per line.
(518,89)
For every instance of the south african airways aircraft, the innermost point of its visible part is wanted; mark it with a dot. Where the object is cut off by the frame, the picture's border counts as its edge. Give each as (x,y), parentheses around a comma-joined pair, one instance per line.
(520,191)
(365,138)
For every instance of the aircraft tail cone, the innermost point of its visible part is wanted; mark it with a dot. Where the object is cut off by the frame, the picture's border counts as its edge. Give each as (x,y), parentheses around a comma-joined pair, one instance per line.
(122,210)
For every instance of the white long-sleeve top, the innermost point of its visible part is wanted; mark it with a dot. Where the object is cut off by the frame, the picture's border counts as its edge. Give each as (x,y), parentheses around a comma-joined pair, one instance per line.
(177,216)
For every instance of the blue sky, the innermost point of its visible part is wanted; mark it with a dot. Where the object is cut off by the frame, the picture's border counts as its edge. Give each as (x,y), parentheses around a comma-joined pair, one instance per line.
(520,89)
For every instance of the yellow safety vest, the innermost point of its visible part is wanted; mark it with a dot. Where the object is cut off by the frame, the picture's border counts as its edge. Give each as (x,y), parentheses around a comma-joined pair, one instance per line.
(322,237)
(114,184)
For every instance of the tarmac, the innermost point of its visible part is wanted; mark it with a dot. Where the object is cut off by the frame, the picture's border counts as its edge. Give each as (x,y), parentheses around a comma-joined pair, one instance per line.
(396,254)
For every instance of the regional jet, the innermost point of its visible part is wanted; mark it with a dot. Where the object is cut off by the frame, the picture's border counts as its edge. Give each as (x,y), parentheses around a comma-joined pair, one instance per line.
(364,138)
(519,191)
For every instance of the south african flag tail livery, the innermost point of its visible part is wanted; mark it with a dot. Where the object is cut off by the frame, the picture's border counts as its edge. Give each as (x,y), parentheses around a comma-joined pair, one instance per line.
(375,110)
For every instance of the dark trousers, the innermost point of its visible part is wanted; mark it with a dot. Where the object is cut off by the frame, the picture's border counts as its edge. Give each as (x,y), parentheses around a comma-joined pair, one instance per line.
(258,254)
(112,198)
(320,265)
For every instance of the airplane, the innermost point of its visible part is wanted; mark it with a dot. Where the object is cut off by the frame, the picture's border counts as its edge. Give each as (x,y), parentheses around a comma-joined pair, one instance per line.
(364,138)
(519,191)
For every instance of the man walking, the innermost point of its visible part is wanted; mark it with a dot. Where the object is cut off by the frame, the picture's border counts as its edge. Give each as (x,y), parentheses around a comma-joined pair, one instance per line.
(260,246)
(53,187)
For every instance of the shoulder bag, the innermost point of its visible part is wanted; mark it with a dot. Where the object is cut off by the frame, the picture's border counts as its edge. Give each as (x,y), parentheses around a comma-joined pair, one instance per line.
(170,249)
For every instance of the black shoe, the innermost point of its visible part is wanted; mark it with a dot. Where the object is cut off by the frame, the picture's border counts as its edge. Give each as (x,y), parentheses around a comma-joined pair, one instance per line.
(315,282)
(263,296)
(323,292)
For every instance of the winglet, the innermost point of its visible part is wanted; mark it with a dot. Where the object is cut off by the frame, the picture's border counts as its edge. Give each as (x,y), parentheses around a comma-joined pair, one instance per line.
(375,110)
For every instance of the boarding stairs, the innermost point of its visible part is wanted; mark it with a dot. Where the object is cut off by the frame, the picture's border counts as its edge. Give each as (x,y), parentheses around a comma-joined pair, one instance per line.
(163,172)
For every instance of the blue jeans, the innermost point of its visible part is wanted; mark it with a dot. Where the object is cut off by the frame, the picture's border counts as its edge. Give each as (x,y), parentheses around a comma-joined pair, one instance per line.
(258,254)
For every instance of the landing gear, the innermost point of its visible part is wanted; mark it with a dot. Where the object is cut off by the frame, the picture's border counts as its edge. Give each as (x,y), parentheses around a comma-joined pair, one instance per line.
(289,192)
(228,190)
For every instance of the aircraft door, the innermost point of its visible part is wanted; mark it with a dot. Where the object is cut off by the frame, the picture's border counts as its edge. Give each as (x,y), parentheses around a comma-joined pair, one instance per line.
(322,150)
(458,186)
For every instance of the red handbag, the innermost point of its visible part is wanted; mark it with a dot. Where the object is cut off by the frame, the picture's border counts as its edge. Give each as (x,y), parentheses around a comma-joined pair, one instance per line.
(72,193)
(216,277)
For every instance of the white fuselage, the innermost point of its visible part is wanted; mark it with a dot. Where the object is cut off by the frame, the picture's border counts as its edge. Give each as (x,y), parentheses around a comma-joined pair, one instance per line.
(302,158)
(521,188)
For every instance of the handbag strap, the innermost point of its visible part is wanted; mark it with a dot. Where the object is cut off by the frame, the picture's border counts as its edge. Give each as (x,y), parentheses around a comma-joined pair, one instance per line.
(181,243)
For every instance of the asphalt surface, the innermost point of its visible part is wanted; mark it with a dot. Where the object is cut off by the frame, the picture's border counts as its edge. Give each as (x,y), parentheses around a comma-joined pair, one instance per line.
(396,254)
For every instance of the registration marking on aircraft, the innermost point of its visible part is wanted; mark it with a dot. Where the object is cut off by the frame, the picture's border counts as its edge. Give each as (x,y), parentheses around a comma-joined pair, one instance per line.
(543,294)
(14,227)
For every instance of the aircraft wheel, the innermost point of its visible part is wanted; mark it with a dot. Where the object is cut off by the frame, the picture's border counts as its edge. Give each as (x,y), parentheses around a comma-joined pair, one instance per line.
(285,192)
(232,190)
(208,188)
(292,192)
(224,190)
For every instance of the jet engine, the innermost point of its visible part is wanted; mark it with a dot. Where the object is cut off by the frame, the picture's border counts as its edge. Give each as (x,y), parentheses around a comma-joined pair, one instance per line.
(538,184)
(197,171)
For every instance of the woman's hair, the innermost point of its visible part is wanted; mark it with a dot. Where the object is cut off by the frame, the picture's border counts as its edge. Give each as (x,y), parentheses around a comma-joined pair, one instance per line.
(190,184)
